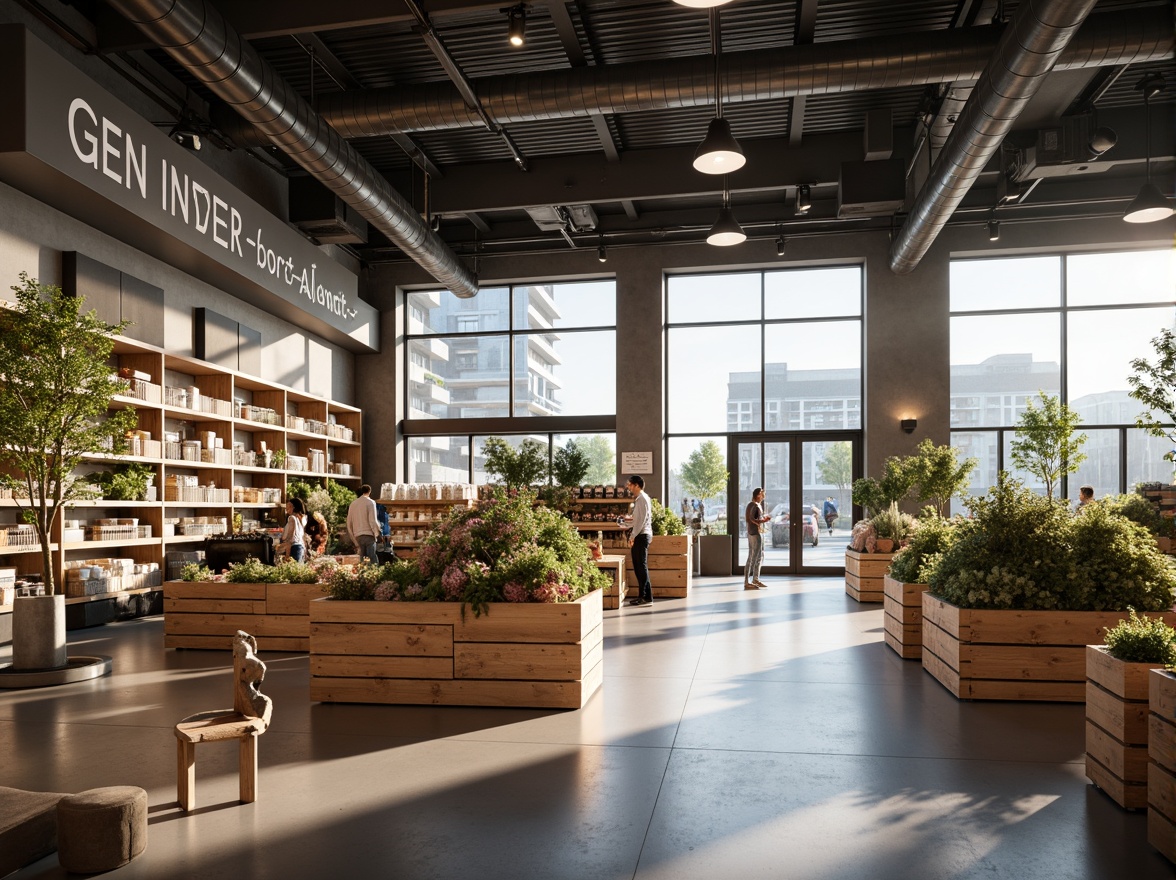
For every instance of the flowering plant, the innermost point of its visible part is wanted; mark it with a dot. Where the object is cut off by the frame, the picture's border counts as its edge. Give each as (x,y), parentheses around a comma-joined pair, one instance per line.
(504,550)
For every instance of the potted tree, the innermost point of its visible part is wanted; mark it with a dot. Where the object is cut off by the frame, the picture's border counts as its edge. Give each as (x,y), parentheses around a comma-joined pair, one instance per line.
(54,411)
(1116,705)
(1045,444)
(1154,385)
(940,475)
(704,475)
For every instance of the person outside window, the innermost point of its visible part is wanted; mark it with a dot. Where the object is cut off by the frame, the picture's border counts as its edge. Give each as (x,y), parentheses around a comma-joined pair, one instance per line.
(753,515)
(363,524)
(1085,498)
(829,511)
(639,539)
(293,542)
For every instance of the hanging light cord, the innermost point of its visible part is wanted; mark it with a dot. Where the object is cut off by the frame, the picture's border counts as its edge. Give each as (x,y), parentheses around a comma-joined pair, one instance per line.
(1147,130)
(716,50)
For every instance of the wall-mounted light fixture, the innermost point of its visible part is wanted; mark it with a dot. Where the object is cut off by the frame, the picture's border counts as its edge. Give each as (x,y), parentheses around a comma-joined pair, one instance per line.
(908,425)
(804,199)
(516,29)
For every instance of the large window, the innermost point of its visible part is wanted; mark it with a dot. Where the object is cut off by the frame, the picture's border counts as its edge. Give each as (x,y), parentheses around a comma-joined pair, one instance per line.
(447,459)
(759,351)
(521,352)
(1069,326)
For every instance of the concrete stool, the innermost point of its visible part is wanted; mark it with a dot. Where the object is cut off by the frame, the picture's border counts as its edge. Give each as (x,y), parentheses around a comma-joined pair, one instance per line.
(101,829)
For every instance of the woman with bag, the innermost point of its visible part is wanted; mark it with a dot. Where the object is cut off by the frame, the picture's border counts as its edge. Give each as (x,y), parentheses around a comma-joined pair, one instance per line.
(293,542)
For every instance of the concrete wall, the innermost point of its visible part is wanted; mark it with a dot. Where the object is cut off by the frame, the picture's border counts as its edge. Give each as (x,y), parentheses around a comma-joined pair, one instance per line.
(906,339)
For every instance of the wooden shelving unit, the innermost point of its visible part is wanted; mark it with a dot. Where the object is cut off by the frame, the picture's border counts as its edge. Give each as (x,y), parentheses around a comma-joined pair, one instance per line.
(425,515)
(238,409)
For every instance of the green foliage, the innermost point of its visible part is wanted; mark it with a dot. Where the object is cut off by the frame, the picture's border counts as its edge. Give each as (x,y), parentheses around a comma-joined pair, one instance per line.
(665,521)
(1154,385)
(54,402)
(278,459)
(1139,510)
(939,475)
(836,468)
(127,482)
(602,462)
(1020,550)
(893,524)
(195,572)
(251,571)
(1142,640)
(516,468)
(704,474)
(1045,444)
(570,465)
(332,502)
(291,572)
(898,478)
(561,498)
(933,536)
(359,583)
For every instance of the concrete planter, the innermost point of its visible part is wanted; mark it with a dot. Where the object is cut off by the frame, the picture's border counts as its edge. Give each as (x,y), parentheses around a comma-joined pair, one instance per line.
(38,632)
(715,555)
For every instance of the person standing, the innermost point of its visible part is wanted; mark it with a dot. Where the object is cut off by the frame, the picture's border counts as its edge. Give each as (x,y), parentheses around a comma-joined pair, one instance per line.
(317,534)
(363,523)
(753,515)
(639,539)
(829,511)
(294,534)
(1085,498)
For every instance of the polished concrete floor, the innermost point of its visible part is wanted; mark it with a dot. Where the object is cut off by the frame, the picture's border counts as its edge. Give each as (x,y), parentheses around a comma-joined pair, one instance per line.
(738,734)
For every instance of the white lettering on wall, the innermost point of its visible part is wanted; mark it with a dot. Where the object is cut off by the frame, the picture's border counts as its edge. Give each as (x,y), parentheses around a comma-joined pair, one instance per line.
(90,156)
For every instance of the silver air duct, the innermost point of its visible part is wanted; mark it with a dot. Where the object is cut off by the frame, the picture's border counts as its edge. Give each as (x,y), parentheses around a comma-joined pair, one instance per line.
(1028,50)
(197,36)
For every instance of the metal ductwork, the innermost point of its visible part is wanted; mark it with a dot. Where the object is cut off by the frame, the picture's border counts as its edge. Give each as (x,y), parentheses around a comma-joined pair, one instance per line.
(960,55)
(1028,50)
(197,36)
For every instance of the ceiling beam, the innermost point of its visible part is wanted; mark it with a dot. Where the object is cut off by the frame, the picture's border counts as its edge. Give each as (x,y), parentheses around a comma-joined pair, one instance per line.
(562,19)
(256,19)
(806,27)
(478,221)
(630,209)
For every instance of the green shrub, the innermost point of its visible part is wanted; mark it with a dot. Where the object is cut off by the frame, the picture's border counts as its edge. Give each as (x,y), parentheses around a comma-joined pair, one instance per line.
(195,572)
(911,564)
(1137,509)
(291,572)
(1023,551)
(1142,640)
(665,521)
(892,523)
(357,583)
(251,571)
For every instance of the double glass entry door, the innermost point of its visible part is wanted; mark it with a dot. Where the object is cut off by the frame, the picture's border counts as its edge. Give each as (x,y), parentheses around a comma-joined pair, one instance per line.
(806,480)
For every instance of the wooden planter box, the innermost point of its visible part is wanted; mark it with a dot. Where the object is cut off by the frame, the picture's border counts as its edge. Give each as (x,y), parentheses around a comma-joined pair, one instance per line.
(1161,769)
(903,617)
(614,566)
(1116,726)
(536,655)
(205,614)
(864,573)
(669,567)
(1012,655)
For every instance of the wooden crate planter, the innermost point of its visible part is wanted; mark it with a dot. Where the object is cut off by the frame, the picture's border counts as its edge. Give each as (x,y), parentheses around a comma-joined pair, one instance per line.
(1116,726)
(613,565)
(525,654)
(864,573)
(980,654)
(206,614)
(669,567)
(1161,768)
(903,617)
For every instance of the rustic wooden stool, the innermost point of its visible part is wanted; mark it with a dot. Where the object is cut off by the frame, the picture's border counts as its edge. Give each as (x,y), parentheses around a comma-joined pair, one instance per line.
(246,721)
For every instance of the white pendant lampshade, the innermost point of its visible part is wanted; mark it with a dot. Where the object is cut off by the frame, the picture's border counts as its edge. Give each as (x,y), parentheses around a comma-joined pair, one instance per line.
(719,152)
(1149,206)
(726,230)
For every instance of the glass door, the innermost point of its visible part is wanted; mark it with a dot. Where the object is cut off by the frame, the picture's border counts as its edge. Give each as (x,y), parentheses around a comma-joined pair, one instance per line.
(806,480)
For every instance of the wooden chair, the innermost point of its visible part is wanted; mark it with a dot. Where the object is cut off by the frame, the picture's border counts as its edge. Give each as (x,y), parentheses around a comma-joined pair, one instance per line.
(246,721)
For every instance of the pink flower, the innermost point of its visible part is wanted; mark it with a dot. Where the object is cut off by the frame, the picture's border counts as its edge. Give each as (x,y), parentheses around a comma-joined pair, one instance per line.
(515,592)
(454,581)
(386,592)
(413,590)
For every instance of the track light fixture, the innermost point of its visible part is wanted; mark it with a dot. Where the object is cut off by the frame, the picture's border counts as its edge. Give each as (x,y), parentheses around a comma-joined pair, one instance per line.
(719,152)
(517,26)
(1150,204)
(994,230)
(602,251)
(435,223)
(780,246)
(804,200)
(726,230)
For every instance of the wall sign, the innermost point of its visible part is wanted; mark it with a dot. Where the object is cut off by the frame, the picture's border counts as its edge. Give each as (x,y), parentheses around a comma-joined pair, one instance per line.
(636,462)
(187,214)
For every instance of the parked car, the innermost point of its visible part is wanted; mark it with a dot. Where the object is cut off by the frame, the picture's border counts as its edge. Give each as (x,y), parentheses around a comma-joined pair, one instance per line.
(781,522)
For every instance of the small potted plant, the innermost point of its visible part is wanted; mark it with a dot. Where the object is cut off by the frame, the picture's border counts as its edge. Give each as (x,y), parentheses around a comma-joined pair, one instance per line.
(892,527)
(1116,705)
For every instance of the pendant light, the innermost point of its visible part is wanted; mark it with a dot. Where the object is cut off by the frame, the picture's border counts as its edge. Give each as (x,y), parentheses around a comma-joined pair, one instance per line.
(726,230)
(1151,204)
(719,152)
(702,4)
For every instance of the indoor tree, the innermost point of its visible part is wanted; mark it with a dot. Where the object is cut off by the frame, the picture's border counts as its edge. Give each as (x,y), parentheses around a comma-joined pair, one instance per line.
(940,475)
(895,484)
(54,404)
(569,465)
(517,468)
(1045,444)
(1154,385)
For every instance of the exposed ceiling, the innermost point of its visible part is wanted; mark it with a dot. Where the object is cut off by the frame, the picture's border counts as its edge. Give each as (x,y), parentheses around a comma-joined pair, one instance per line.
(371,64)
